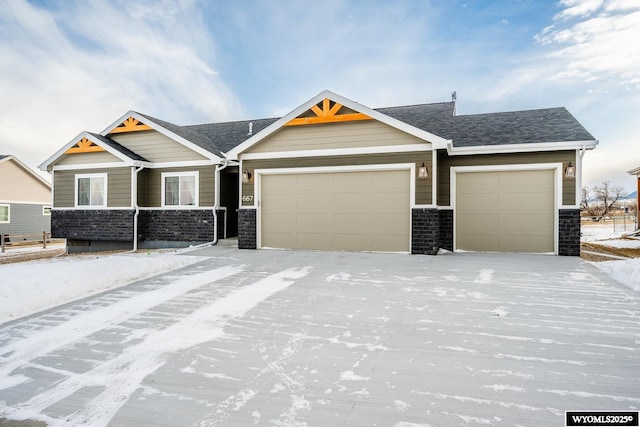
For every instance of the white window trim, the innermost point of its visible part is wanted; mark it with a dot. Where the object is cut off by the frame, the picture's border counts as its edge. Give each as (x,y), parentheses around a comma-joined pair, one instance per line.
(91,175)
(44,208)
(8,221)
(195,174)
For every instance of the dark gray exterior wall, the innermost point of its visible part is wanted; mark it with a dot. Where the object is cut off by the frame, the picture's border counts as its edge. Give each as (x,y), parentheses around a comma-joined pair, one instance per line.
(184,225)
(98,224)
(247,229)
(425,231)
(446,229)
(26,218)
(569,232)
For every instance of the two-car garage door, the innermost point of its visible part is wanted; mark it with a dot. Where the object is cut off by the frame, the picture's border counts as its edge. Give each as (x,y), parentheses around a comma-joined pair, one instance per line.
(505,211)
(345,210)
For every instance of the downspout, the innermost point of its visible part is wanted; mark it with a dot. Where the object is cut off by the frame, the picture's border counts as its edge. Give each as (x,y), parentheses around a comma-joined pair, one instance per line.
(219,167)
(136,207)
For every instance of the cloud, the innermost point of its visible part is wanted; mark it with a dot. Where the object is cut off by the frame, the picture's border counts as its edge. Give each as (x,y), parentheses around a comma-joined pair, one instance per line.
(79,68)
(596,41)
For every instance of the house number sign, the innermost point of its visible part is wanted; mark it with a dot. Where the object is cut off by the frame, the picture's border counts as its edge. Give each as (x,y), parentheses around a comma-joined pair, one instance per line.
(247,198)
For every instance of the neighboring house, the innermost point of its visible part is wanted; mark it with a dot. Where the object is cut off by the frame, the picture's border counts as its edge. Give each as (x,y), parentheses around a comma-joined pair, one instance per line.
(636,172)
(332,174)
(25,199)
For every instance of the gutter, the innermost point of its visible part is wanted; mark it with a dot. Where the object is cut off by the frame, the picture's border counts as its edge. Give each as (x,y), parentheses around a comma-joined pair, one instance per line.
(224,163)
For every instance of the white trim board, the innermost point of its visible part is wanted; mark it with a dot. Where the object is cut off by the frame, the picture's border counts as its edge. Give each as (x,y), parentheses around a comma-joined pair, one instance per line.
(387,149)
(557,197)
(258,173)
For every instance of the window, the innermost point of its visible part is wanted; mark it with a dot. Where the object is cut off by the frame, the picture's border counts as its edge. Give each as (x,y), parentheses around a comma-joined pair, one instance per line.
(5,214)
(91,190)
(180,189)
(46,210)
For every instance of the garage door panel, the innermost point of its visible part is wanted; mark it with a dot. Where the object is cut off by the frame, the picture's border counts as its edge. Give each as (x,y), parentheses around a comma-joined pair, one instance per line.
(515,213)
(352,211)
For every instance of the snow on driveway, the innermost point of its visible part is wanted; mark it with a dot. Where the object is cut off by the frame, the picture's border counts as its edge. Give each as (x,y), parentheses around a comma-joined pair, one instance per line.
(313,339)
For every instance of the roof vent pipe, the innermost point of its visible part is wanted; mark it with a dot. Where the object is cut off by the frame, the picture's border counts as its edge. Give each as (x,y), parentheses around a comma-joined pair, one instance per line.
(250,128)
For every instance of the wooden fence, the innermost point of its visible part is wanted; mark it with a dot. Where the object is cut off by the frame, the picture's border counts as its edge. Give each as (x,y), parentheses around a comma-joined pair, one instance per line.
(22,240)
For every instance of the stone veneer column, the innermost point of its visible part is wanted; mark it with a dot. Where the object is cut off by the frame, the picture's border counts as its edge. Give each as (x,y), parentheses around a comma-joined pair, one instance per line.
(446,229)
(247,229)
(425,231)
(569,232)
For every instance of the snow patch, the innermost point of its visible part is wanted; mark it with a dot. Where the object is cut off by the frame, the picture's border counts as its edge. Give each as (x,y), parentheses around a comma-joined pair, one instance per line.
(504,387)
(351,376)
(400,405)
(625,272)
(277,387)
(485,276)
(500,311)
(61,280)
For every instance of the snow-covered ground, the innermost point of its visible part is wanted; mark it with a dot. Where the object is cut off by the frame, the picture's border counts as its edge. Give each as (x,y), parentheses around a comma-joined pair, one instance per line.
(295,338)
(626,272)
(29,287)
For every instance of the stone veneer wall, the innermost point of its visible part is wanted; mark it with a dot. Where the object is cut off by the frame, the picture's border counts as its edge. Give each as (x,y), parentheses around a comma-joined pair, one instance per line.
(425,231)
(99,224)
(569,232)
(247,229)
(446,229)
(182,225)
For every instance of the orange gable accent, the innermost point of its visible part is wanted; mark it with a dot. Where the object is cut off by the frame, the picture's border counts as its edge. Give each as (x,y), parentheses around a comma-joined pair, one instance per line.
(130,125)
(327,114)
(84,146)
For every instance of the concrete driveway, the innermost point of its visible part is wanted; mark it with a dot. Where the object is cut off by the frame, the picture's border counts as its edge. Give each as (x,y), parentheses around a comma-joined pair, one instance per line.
(325,338)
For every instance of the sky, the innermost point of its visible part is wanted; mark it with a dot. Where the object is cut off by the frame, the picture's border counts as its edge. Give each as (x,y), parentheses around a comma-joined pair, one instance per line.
(73,65)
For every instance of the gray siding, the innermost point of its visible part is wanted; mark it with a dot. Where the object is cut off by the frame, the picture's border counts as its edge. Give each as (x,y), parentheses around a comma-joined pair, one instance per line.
(445,163)
(118,187)
(26,219)
(370,133)
(423,194)
(150,185)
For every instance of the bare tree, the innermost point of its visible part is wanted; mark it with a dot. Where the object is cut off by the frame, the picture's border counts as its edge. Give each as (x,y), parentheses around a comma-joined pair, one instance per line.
(599,200)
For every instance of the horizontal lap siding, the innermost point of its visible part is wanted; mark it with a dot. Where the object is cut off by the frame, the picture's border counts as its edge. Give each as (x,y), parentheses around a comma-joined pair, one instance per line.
(445,163)
(26,219)
(87,158)
(18,185)
(368,133)
(118,187)
(423,186)
(155,147)
(150,181)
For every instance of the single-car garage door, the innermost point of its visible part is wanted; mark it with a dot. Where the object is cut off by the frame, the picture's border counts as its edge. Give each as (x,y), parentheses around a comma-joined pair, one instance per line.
(506,211)
(351,211)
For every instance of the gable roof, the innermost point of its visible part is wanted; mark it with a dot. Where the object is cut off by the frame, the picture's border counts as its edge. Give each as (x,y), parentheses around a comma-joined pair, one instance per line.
(635,171)
(231,134)
(8,157)
(192,140)
(123,153)
(376,115)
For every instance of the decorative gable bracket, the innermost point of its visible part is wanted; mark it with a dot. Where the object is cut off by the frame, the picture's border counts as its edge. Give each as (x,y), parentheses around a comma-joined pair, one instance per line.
(84,146)
(326,111)
(130,125)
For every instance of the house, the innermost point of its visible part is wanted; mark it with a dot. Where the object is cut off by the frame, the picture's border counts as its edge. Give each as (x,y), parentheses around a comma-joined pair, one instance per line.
(636,172)
(25,199)
(330,175)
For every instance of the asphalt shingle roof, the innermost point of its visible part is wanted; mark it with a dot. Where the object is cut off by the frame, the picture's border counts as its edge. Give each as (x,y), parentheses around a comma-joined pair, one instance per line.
(515,127)
(2,156)
(116,146)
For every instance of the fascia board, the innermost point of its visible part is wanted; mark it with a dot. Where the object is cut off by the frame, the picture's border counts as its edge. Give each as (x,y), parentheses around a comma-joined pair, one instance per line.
(521,148)
(438,142)
(84,134)
(635,171)
(158,128)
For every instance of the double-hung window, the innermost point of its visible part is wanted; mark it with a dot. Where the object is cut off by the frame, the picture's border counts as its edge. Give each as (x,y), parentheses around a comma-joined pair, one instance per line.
(5,214)
(180,189)
(91,190)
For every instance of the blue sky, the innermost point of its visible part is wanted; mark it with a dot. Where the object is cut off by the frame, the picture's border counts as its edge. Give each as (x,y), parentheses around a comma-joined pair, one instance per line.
(68,66)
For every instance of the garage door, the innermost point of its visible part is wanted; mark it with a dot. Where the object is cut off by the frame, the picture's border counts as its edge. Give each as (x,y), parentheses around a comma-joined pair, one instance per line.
(510,211)
(351,211)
